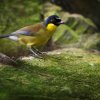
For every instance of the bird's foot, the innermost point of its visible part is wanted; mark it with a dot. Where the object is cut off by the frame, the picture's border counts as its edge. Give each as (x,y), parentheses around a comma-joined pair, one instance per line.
(36,56)
(43,53)
(39,55)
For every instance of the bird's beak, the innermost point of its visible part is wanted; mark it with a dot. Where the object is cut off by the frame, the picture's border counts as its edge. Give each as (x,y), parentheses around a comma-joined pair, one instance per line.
(62,22)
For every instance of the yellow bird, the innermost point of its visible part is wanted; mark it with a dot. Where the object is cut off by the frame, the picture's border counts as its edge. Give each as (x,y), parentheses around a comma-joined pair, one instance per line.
(36,35)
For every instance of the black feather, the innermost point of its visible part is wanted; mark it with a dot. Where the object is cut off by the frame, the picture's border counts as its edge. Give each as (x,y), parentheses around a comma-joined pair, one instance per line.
(5,35)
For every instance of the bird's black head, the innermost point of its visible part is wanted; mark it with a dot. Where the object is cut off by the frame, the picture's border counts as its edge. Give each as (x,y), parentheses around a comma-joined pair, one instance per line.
(54,19)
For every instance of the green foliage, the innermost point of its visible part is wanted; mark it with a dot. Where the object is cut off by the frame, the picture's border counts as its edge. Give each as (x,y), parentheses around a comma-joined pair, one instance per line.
(73,32)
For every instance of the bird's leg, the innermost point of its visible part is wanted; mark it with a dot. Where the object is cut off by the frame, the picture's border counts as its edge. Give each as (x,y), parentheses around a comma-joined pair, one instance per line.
(33,51)
(37,51)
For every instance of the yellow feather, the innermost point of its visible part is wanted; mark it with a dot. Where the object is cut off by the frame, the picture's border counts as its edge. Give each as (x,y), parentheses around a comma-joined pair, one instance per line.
(51,27)
(41,38)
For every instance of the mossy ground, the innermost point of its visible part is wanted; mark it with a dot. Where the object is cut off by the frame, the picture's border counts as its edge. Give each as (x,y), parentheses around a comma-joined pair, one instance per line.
(68,74)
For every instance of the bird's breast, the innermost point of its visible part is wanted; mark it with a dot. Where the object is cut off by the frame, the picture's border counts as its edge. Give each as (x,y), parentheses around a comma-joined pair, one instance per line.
(37,40)
(41,38)
(51,27)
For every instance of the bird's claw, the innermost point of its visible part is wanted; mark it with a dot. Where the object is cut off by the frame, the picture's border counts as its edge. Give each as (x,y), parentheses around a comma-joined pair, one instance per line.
(40,55)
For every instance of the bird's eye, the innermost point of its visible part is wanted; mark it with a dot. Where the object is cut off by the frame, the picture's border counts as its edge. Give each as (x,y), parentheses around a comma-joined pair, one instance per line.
(58,20)
(52,20)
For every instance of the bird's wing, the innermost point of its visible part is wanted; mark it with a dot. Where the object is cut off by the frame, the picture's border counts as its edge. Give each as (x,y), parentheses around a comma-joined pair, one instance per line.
(29,30)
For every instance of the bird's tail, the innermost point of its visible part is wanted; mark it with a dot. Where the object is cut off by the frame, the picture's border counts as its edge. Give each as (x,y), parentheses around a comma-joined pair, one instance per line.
(4,36)
(10,36)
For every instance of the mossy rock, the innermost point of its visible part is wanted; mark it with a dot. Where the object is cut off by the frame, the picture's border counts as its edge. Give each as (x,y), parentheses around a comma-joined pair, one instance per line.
(70,73)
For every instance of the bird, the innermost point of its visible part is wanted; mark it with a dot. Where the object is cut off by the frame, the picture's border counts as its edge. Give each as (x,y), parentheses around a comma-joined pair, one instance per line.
(37,34)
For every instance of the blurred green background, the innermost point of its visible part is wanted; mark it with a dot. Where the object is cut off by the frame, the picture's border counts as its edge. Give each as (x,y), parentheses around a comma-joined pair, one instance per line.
(71,73)
(79,31)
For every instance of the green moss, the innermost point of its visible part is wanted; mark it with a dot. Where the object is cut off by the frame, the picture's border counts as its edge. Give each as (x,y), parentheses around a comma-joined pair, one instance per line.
(72,75)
